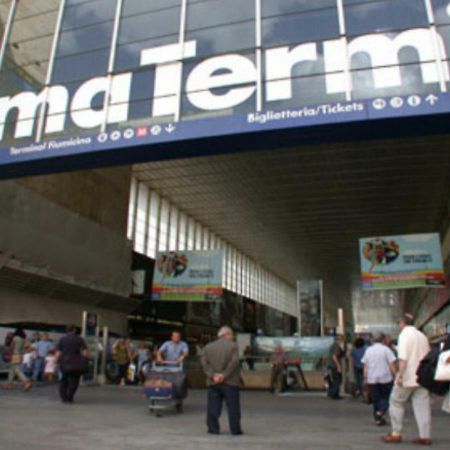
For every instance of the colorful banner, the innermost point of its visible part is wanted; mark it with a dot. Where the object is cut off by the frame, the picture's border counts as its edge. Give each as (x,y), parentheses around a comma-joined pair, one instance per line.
(401,262)
(188,276)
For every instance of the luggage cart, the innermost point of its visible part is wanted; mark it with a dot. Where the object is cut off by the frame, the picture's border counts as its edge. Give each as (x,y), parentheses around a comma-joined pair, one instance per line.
(164,399)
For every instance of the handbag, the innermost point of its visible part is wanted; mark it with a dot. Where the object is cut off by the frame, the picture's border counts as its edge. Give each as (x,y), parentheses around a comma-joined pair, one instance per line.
(443,367)
(446,404)
(78,365)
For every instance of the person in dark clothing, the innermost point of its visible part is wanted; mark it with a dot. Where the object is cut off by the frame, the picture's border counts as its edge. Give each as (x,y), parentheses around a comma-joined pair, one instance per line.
(446,345)
(359,348)
(71,350)
(337,353)
(248,358)
(220,361)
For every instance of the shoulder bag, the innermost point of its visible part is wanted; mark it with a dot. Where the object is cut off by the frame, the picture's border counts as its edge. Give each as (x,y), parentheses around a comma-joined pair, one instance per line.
(443,367)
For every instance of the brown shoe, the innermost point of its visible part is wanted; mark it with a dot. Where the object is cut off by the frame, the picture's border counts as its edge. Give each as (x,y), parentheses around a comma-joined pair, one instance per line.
(423,441)
(392,439)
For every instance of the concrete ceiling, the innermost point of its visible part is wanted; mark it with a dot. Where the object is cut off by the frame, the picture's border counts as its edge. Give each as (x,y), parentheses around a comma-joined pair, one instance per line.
(300,211)
(31,37)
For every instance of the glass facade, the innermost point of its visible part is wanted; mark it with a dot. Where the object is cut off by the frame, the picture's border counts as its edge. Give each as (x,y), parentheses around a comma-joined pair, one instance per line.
(156,225)
(74,67)
(146,62)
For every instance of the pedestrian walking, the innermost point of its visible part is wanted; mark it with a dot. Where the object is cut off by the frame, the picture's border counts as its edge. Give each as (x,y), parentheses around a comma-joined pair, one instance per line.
(413,346)
(72,356)
(220,361)
(248,358)
(278,361)
(43,346)
(337,353)
(122,357)
(356,355)
(28,360)
(379,371)
(173,351)
(18,350)
(50,366)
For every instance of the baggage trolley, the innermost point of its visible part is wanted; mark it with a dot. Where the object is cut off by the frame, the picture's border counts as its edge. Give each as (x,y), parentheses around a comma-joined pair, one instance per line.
(165,395)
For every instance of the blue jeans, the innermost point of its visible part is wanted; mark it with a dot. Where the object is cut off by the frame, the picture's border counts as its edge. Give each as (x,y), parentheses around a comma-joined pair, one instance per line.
(380,396)
(27,370)
(39,365)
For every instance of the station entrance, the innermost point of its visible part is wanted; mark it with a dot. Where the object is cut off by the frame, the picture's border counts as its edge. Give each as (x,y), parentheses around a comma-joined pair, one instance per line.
(278,167)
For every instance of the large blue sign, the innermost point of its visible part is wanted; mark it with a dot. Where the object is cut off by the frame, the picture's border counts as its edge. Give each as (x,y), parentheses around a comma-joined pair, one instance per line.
(139,84)
(308,116)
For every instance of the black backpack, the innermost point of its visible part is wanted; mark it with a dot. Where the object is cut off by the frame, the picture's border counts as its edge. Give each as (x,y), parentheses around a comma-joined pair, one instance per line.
(426,372)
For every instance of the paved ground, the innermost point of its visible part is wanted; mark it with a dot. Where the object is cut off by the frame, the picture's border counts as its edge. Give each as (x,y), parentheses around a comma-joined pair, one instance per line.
(115,418)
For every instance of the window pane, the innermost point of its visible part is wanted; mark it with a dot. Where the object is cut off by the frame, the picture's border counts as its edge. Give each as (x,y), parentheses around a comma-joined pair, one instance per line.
(141,219)
(88,13)
(164,226)
(303,27)
(132,208)
(218,12)
(385,15)
(182,230)
(205,245)
(441,10)
(153,225)
(198,237)
(210,41)
(151,25)
(281,7)
(191,234)
(213,241)
(134,7)
(173,228)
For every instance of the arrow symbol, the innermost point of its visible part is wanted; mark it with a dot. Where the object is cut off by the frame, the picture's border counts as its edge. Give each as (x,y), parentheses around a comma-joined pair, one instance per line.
(170,128)
(432,99)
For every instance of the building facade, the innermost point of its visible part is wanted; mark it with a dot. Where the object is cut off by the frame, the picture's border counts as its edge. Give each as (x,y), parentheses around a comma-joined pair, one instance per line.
(102,82)
(104,68)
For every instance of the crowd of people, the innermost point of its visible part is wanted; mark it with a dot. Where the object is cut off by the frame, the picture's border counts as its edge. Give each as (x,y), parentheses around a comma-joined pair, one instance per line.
(134,362)
(387,373)
(389,376)
(32,359)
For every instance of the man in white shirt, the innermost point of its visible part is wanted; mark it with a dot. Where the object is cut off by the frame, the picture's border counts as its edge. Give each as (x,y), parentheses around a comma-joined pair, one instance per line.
(379,371)
(413,346)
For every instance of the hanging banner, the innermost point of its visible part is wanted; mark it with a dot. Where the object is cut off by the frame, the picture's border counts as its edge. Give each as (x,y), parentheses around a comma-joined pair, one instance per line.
(188,276)
(310,299)
(312,347)
(401,262)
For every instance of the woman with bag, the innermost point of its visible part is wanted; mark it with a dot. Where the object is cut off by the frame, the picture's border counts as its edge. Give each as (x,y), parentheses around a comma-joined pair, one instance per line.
(18,349)
(122,357)
(72,356)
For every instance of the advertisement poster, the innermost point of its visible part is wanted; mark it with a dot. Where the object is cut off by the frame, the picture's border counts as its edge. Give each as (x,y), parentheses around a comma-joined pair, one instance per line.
(304,347)
(310,299)
(401,262)
(189,276)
